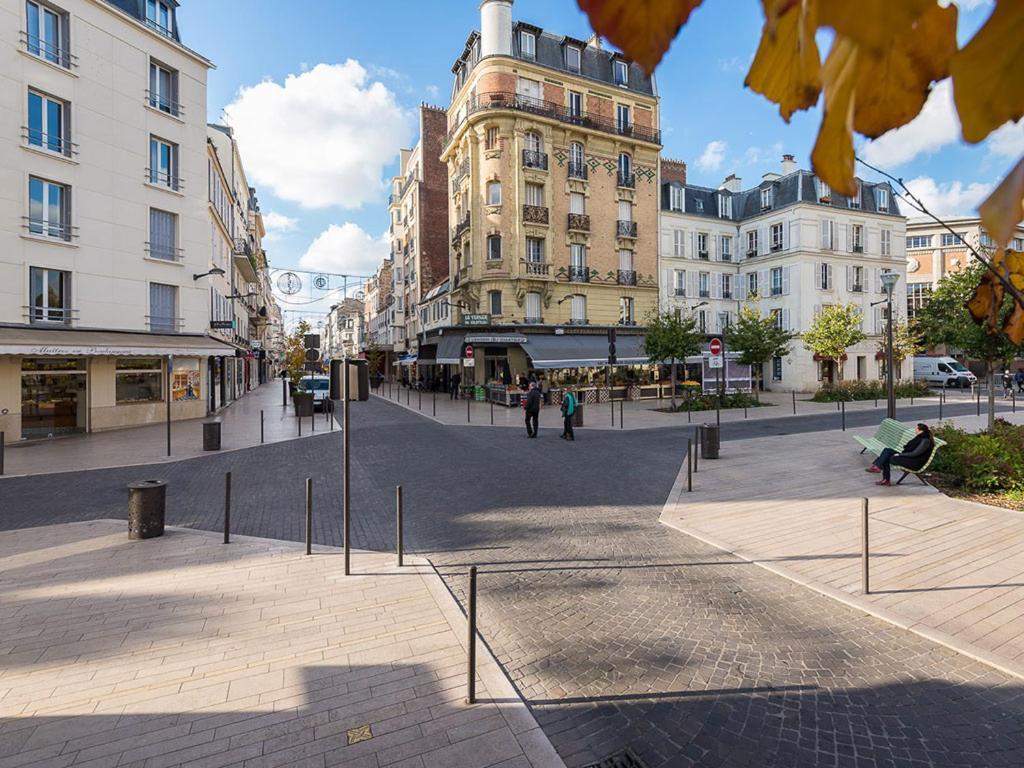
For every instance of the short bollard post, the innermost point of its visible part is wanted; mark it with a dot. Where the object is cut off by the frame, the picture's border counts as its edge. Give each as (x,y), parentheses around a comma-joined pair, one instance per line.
(865,585)
(611,404)
(492,413)
(744,409)
(689,408)
(312,420)
(844,414)
(794,402)
(309,515)
(261,427)
(468,401)
(299,419)
(434,405)
(876,401)
(620,412)
(227,507)
(332,414)
(837,405)
(689,464)
(978,399)
(471,638)
(2,442)
(398,523)
(698,432)
(408,394)
(1013,409)
(942,397)
(419,399)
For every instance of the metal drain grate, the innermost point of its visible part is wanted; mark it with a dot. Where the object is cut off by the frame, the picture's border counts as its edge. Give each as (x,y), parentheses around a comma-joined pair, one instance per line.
(623,759)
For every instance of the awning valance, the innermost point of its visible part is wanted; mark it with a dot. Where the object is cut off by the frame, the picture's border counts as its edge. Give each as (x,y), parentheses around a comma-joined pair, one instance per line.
(571,351)
(449,348)
(46,342)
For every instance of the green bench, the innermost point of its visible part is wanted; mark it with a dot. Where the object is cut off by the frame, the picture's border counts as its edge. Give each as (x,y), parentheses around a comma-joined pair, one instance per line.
(893,434)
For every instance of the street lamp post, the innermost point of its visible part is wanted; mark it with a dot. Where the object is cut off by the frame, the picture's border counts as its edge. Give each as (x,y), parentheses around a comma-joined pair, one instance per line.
(889,280)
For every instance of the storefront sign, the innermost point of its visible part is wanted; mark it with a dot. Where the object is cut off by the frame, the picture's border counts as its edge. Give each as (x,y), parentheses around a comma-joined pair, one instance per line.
(222,325)
(508,338)
(106,351)
(476,319)
(469,362)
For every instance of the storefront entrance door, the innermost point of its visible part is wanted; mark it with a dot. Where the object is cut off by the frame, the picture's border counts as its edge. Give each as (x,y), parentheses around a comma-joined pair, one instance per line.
(52,402)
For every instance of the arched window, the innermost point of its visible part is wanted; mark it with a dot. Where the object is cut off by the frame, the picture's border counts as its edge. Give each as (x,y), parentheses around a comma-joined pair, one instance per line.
(625,165)
(576,153)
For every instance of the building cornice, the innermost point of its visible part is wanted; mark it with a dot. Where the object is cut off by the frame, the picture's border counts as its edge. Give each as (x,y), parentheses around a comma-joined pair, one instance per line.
(179,47)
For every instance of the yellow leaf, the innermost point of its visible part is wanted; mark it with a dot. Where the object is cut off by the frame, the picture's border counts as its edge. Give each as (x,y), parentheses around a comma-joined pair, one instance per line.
(1013,326)
(987,300)
(832,157)
(642,29)
(892,87)
(1005,206)
(787,66)
(988,73)
(873,24)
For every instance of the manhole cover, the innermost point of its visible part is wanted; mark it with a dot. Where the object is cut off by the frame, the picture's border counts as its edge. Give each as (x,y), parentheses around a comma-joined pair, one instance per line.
(623,759)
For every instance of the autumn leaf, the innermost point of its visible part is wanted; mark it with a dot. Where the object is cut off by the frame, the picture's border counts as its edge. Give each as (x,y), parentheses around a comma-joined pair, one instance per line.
(787,66)
(893,87)
(988,73)
(1013,326)
(987,300)
(873,24)
(1005,206)
(642,29)
(832,156)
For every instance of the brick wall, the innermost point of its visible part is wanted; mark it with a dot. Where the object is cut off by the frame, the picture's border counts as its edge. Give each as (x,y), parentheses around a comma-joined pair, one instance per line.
(433,209)
(673,170)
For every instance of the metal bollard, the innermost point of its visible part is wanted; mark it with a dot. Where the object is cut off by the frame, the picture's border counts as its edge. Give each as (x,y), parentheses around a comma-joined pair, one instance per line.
(299,419)
(2,443)
(744,409)
(471,638)
(620,412)
(227,507)
(979,400)
(398,523)
(698,433)
(844,414)
(309,515)
(312,420)
(419,399)
(434,413)
(611,405)
(865,584)
(794,402)
(689,464)
(492,413)
(689,408)
(408,394)
(1013,409)
(284,392)
(332,414)
(941,400)
(261,427)
(468,401)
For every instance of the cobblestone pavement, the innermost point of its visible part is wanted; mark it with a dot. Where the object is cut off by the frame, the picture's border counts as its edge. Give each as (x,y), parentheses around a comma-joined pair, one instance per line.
(619,631)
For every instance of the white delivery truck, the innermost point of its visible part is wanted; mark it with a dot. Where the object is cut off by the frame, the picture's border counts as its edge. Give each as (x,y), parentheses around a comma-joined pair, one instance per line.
(939,371)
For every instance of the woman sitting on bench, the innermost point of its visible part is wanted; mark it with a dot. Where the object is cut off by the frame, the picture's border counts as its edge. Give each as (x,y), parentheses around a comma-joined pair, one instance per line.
(913,456)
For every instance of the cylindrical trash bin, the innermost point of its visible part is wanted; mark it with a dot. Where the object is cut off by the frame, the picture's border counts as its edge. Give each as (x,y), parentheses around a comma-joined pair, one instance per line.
(303,404)
(710,440)
(577,415)
(211,435)
(146,503)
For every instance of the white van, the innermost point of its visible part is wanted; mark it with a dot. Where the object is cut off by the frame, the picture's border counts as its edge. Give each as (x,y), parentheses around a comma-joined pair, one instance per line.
(943,370)
(320,387)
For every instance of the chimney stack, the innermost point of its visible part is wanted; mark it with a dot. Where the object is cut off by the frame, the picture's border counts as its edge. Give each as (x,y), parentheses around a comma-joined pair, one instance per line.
(732,183)
(594,41)
(495,28)
(788,165)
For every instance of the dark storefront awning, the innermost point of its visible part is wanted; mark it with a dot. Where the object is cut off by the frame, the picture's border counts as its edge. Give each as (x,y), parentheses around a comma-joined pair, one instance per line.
(449,349)
(582,351)
(45,342)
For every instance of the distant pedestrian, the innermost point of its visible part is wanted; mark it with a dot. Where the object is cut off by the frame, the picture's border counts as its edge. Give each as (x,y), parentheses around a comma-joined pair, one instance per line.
(545,390)
(1019,378)
(532,410)
(913,456)
(456,381)
(568,412)
(1007,384)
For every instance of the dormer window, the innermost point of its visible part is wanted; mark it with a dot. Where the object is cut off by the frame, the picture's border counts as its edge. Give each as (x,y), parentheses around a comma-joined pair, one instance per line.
(725,206)
(620,70)
(572,58)
(766,199)
(527,44)
(160,16)
(675,198)
(855,200)
(883,198)
(824,192)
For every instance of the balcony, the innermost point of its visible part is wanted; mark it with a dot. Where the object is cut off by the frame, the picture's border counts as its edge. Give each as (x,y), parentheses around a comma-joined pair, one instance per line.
(624,129)
(165,324)
(58,230)
(626,277)
(164,252)
(535,214)
(509,100)
(625,229)
(535,268)
(857,248)
(680,292)
(47,51)
(776,247)
(578,321)
(533,320)
(459,229)
(627,180)
(579,222)
(245,260)
(703,255)
(164,179)
(577,170)
(534,159)
(751,254)
(37,139)
(579,274)
(50,315)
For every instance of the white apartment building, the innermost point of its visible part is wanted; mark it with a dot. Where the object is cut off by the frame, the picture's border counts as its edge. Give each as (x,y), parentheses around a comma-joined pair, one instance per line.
(344,330)
(103,217)
(795,246)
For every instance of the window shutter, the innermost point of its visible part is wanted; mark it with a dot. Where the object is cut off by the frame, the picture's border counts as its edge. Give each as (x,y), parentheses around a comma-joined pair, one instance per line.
(668,282)
(691,284)
(849,278)
(785,281)
(831,282)
(849,237)
(763,287)
(785,236)
(785,320)
(693,245)
(716,285)
(824,235)
(739,287)
(817,274)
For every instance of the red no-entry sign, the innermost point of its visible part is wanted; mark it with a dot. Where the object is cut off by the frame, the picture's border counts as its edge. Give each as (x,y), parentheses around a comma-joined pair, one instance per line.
(715,347)
(469,351)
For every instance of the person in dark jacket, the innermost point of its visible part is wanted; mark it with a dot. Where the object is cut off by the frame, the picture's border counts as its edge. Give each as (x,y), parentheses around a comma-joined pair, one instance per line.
(456,381)
(913,456)
(532,410)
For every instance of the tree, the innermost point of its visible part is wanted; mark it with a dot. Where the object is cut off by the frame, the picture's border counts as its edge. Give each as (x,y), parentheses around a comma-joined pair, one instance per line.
(944,319)
(672,337)
(905,342)
(834,330)
(295,352)
(757,339)
(373,357)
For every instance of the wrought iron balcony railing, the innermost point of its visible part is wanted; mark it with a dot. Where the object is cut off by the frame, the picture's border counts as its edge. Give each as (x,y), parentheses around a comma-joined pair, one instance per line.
(625,228)
(535,214)
(579,222)
(627,180)
(164,104)
(534,159)
(579,274)
(577,170)
(626,277)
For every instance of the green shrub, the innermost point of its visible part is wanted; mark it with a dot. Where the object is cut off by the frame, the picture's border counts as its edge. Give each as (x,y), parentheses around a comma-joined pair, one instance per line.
(983,462)
(862,389)
(707,402)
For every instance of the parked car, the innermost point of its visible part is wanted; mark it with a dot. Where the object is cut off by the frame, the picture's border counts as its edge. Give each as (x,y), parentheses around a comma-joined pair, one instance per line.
(320,387)
(943,371)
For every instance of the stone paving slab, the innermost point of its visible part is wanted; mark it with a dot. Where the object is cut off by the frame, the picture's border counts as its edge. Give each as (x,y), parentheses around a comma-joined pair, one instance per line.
(181,651)
(949,569)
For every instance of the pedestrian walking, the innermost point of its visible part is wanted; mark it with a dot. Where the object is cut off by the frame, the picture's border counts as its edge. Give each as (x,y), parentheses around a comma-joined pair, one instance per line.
(532,410)
(913,456)
(1019,378)
(456,381)
(1007,384)
(568,411)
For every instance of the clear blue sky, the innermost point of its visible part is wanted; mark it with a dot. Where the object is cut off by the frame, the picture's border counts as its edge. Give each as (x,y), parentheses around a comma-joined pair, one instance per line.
(408,46)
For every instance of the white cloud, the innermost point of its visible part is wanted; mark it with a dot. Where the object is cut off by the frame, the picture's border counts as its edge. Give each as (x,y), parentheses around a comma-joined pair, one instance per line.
(278,224)
(952,199)
(1008,141)
(433,91)
(323,137)
(714,154)
(936,126)
(346,249)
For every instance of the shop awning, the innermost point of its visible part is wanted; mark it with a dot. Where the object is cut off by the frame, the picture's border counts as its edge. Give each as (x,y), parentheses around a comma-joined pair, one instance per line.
(46,342)
(582,351)
(449,349)
(407,359)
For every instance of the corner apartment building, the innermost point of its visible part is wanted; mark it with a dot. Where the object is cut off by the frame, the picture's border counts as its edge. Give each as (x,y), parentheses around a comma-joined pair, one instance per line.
(795,246)
(103,217)
(552,155)
(419,229)
(344,330)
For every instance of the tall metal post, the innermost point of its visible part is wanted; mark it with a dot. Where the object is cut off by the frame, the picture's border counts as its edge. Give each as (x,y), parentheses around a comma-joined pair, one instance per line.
(2,444)
(890,371)
(689,464)
(794,402)
(844,414)
(227,507)
(398,523)
(309,515)
(169,391)
(620,412)
(471,638)
(261,426)
(346,491)
(865,584)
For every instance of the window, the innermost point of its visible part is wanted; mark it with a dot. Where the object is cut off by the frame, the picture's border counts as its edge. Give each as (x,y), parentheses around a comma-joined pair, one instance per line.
(494,303)
(578,309)
(535,250)
(626,316)
(702,321)
(1017,244)
(163,163)
(576,155)
(163,238)
(857,238)
(621,72)
(919,241)
(163,307)
(886,242)
(46,35)
(726,286)
(675,198)
(882,196)
(625,167)
(625,210)
(776,369)
(491,138)
(622,121)
(575,104)
(703,285)
(679,282)
(138,379)
(702,245)
(494,193)
(535,194)
(766,198)
(825,276)
(776,277)
(917,296)
(698,204)
(572,58)
(828,235)
(49,296)
(776,236)
(752,284)
(678,243)
(752,243)
(949,239)
(985,239)
(48,209)
(163,89)
(527,44)
(724,321)
(577,202)
(578,271)
(494,247)
(824,192)
(855,200)
(533,307)
(725,248)
(48,124)
(160,16)
(778,319)
(856,279)
(724,206)
(625,260)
